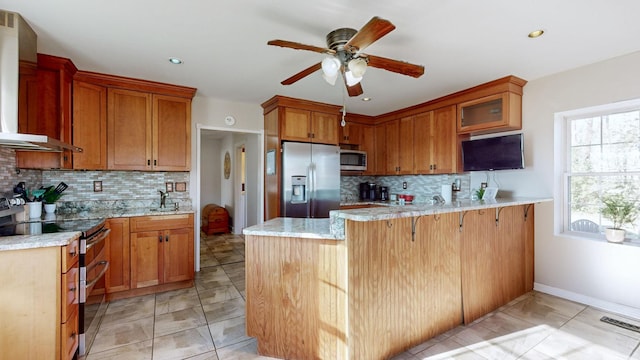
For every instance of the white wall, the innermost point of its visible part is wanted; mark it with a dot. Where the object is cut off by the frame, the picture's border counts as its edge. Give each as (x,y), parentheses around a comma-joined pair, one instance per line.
(587,270)
(210,168)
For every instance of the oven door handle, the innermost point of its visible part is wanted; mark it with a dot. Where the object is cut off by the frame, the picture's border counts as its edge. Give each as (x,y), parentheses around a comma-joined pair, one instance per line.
(102,272)
(101,235)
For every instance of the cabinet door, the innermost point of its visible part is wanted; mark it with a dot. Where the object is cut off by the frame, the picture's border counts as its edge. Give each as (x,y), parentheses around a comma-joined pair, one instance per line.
(171,133)
(90,126)
(444,147)
(494,113)
(380,150)
(324,128)
(295,125)
(405,146)
(128,130)
(119,255)
(368,145)
(391,135)
(422,139)
(178,255)
(351,134)
(146,258)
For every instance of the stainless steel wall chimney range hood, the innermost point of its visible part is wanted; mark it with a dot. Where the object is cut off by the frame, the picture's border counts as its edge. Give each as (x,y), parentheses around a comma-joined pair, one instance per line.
(18,43)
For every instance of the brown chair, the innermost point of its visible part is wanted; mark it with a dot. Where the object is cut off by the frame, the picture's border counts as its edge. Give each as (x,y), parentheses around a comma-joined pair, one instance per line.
(584,225)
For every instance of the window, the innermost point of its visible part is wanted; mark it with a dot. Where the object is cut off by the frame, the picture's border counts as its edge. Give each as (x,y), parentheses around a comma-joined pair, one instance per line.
(602,148)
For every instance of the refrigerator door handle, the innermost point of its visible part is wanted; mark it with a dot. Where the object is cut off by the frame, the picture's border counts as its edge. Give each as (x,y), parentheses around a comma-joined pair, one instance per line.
(312,188)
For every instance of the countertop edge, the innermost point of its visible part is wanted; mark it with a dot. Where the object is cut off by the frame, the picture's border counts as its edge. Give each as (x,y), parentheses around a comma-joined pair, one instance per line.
(25,242)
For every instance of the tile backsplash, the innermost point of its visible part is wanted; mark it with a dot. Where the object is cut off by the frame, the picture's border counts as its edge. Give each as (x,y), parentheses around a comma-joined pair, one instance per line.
(120,189)
(423,187)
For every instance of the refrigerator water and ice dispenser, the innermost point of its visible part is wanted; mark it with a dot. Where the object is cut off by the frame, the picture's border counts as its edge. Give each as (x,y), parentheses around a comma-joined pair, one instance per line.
(298,189)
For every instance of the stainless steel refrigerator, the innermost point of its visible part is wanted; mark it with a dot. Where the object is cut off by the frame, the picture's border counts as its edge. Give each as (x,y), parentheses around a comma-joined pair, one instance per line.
(310,180)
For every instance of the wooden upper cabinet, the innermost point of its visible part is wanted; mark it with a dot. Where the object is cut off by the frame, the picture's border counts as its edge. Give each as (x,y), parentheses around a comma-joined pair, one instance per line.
(368,145)
(324,128)
(171,133)
(295,124)
(423,124)
(435,142)
(379,165)
(45,109)
(309,126)
(399,146)
(90,126)
(351,133)
(491,107)
(129,130)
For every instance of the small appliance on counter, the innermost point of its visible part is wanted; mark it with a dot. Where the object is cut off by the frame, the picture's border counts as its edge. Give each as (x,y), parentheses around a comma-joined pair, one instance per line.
(384,193)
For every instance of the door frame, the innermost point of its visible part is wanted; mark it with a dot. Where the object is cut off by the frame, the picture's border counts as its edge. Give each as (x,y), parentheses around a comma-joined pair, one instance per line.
(195,179)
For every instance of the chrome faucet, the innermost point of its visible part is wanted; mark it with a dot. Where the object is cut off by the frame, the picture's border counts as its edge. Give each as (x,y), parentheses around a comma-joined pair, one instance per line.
(163,198)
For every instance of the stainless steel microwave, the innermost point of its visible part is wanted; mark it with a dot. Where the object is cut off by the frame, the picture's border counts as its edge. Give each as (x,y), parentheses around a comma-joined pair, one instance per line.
(353,160)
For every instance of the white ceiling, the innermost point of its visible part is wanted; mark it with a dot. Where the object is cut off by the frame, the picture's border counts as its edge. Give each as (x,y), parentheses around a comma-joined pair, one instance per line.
(223,43)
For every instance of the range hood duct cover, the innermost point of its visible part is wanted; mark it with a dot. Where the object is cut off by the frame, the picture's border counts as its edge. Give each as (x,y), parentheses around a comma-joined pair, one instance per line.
(18,43)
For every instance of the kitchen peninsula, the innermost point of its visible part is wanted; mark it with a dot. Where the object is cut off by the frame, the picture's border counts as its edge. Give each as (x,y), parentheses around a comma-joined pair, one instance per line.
(370,283)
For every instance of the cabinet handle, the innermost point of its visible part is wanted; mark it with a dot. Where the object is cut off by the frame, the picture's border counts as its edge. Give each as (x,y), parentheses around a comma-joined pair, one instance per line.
(160,238)
(155,162)
(148,162)
(73,289)
(435,166)
(166,238)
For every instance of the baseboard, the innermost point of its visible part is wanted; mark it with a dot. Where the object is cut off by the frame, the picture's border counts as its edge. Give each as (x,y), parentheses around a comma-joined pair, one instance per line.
(623,310)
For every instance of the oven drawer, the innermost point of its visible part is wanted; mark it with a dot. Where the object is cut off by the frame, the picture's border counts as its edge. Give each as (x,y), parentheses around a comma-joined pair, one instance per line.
(70,255)
(69,336)
(70,292)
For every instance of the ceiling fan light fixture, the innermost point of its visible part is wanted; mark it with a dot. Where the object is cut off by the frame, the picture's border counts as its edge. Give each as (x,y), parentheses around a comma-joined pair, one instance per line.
(358,67)
(330,79)
(351,79)
(330,66)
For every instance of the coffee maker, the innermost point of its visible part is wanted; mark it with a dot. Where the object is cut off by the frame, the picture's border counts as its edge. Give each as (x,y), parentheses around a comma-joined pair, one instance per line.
(364,191)
(384,193)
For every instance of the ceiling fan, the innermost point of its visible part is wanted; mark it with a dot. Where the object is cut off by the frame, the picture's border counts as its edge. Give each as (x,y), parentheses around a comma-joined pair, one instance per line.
(344,48)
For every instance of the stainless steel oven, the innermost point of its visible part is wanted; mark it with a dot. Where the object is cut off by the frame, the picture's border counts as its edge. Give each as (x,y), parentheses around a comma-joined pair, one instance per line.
(93,268)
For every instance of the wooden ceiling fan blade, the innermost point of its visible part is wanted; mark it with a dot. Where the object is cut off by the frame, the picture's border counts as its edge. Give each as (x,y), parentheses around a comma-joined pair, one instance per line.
(299,46)
(370,32)
(308,71)
(396,66)
(354,90)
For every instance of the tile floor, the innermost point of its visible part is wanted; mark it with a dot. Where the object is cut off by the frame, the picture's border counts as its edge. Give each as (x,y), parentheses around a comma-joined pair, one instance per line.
(207,322)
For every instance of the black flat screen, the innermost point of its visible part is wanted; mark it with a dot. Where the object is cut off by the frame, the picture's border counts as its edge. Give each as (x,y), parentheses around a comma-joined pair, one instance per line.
(495,153)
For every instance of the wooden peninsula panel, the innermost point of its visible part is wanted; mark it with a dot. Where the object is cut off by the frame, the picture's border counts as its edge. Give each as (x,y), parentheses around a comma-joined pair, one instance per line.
(494,259)
(296,297)
(402,291)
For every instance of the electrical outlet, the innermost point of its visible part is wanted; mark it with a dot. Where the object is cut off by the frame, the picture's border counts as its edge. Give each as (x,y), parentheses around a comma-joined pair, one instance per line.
(483,185)
(97,186)
(404,185)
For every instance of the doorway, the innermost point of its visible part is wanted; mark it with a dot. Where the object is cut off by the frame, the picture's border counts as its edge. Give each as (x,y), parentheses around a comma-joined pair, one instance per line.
(245,207)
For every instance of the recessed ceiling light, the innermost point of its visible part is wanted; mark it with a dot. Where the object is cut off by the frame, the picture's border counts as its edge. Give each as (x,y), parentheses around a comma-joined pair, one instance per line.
(536,33)
(175,61)
(366,99)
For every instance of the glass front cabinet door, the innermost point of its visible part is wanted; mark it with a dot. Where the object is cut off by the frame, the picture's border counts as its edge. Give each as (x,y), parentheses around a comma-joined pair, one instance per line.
(494,113)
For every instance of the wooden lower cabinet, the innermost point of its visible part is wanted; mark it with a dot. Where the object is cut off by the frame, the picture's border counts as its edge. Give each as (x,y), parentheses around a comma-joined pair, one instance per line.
(163,252)
(119,255)
(389,286)
(39,303)
(150,254)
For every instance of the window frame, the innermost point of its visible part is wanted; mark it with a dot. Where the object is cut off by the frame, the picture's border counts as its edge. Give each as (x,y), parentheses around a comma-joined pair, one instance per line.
(562,154)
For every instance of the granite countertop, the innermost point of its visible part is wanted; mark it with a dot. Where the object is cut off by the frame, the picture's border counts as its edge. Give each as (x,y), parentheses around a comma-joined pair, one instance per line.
(293,227)
(334,227)
(20,242)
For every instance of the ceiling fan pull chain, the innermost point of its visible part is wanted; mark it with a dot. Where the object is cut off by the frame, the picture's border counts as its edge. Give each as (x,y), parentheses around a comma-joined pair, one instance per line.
(343,123)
